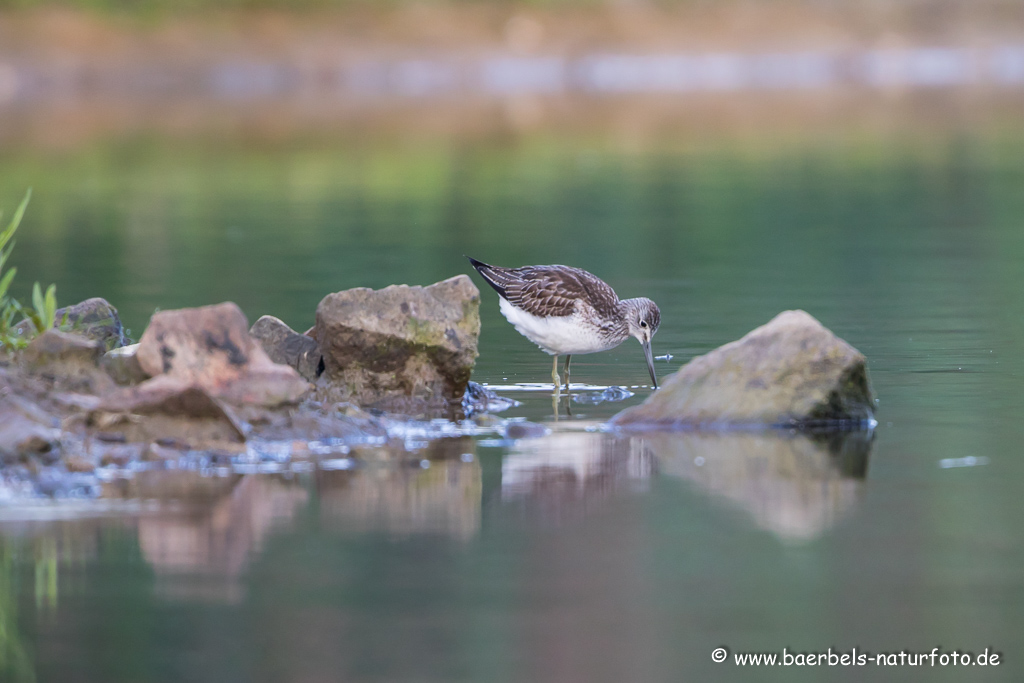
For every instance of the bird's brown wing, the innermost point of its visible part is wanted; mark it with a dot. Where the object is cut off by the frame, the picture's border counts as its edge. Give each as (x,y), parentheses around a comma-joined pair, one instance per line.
(552,291)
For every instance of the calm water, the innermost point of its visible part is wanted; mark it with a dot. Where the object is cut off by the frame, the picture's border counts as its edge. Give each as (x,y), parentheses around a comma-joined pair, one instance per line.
(575,556)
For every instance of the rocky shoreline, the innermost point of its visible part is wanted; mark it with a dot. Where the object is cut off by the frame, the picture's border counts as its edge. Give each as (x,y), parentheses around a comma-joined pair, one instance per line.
(198,383)
(79,407)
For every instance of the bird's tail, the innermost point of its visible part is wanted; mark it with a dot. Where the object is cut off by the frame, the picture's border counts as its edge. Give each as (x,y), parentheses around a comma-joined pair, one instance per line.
(496,276)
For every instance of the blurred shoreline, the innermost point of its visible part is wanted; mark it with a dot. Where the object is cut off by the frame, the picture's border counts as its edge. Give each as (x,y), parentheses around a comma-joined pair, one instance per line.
(634,69)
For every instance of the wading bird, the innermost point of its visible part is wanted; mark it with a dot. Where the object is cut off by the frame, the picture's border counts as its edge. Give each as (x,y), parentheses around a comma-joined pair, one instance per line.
(568,311)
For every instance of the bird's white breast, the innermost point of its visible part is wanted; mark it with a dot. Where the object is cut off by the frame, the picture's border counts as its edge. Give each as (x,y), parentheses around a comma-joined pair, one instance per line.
(556,335)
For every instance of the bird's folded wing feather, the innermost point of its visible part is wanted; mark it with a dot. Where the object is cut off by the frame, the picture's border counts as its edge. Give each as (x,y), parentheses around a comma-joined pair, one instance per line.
(553,291)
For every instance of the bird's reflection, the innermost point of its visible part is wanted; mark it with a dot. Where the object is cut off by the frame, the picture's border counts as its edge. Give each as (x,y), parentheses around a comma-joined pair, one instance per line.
(563,474)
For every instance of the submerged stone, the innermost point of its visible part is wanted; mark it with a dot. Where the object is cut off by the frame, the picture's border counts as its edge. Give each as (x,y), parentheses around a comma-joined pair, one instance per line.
(480,399)
(401,348)
(791,372)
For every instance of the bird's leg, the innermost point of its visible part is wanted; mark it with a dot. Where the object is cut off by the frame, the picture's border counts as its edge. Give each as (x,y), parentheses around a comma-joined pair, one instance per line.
(554,394)
(568,357)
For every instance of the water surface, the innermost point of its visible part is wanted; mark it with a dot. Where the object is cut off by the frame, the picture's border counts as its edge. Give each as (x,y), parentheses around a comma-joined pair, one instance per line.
(573,554)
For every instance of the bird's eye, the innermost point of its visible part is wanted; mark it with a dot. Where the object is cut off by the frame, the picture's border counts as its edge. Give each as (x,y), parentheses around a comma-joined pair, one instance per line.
(643,323)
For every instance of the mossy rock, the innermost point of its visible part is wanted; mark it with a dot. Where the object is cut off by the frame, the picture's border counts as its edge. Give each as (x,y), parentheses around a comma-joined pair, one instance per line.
(791,372)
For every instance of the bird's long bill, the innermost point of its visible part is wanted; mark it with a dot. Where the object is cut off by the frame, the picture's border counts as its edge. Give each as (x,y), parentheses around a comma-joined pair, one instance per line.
(648,354)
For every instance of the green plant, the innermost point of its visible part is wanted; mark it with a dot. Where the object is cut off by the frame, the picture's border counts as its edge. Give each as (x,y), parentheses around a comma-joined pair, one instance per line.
(7,245)
(43,313)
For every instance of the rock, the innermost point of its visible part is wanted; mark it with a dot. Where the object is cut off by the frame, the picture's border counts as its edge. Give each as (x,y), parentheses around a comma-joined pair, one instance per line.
(75,402)
(69,360)
(211,347)
(118,455)
(166,407)
(400,348)
(25,428)
(791,372)
(122,364)
(480,399)
(93,319)
(287,347)
(79,463)
(608,395)
(56,348)
(166,395)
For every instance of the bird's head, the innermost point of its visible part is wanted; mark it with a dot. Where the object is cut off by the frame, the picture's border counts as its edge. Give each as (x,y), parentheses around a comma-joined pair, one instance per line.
(643,318)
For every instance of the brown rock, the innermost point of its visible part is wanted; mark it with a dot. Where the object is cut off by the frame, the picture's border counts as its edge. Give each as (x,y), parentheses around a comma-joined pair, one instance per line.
(401,347)
(79,463)
(70,362)
(167,407)
(287,347)
(122,364)
(118,455)
(25,428)
(211,347)
(54,348)
(791,372)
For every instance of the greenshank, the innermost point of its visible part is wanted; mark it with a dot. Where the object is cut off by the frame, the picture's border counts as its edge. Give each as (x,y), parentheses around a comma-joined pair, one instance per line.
(568,311)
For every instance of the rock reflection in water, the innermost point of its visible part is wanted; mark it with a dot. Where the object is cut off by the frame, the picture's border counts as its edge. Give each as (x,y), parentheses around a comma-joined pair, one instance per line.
(197,532)
(214,538)
(439,494)
(793,485)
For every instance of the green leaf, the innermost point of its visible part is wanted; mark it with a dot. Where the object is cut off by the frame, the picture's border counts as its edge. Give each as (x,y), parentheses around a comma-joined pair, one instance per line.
(37,300)
(50,306)
(8,232)
(6,254)
(5,282)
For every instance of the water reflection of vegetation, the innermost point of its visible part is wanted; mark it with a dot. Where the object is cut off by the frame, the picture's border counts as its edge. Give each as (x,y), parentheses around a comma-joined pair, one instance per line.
(15,662)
